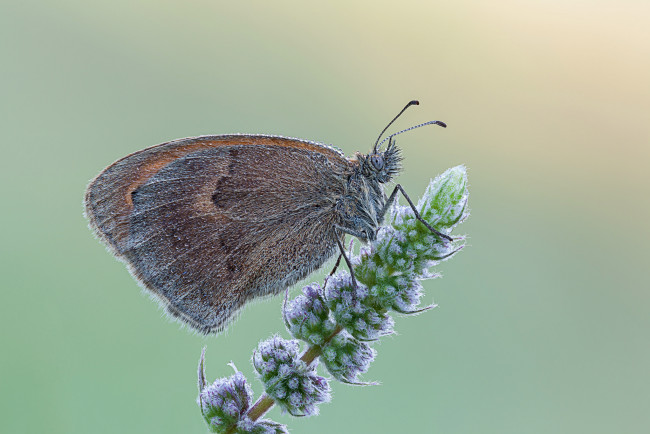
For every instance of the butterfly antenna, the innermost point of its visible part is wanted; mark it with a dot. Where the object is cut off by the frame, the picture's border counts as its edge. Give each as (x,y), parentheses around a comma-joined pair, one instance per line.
(442,124)
(414,102)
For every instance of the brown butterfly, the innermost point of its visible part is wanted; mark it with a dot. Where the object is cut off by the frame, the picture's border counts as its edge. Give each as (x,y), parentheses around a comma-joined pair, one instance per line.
(208,223)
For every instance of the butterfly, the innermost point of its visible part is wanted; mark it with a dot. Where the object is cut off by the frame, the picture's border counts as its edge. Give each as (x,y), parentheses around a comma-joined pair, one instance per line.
(207,223)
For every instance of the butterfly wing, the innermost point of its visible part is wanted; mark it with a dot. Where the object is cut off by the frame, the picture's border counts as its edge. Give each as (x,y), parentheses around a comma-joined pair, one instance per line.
(208,223)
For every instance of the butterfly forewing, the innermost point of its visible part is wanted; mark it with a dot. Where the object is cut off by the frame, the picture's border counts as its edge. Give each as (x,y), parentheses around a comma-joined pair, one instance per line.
(207,223)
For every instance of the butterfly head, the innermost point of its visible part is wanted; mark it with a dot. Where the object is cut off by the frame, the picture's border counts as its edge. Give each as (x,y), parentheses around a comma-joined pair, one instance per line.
(381,165)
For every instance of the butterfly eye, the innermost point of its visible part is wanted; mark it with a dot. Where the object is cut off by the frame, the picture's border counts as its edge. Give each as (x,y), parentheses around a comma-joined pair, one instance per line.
(377,161)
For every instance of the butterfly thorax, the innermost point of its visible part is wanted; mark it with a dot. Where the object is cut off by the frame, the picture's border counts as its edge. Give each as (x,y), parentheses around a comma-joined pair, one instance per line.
(361,208)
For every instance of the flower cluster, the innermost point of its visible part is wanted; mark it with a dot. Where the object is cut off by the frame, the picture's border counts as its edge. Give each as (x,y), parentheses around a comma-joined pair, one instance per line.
(336,321)
(355,309)
(225,403)
(307,316)
(346,358)
(293,384)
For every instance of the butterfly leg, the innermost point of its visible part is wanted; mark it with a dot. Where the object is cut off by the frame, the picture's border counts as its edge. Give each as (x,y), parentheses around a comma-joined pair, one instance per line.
(389,202)
(338,260)
(336,266)
(347,260)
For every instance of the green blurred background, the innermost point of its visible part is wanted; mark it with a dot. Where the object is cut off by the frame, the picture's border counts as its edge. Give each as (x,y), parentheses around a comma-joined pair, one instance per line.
(543,320)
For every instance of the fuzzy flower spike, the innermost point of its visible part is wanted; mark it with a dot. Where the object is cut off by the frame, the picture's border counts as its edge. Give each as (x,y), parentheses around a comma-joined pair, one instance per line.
(338,322)
(225,403)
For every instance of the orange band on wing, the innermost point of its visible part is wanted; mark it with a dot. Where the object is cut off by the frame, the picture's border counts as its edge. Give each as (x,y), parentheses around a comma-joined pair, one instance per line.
(108,197)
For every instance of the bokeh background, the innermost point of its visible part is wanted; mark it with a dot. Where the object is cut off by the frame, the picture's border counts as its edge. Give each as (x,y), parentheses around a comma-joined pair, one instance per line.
(543,321)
